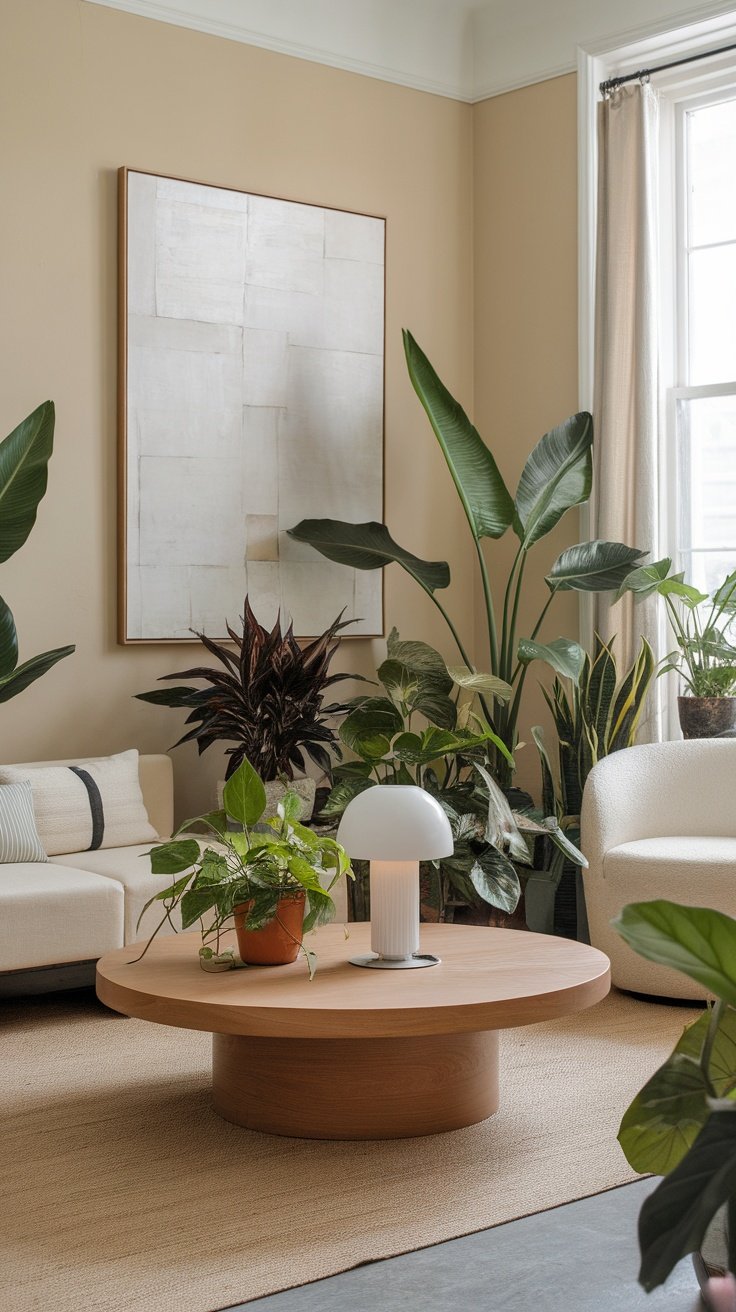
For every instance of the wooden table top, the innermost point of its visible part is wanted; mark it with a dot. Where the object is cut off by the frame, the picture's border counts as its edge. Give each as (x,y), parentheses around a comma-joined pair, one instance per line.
(488,979)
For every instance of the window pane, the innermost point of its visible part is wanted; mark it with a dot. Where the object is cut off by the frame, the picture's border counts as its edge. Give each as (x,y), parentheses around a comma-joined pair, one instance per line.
(712,173)
(707,570)
(713,315)
(707,473)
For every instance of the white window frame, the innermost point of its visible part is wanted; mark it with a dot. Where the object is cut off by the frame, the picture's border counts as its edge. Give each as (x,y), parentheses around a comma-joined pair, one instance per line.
(679,88)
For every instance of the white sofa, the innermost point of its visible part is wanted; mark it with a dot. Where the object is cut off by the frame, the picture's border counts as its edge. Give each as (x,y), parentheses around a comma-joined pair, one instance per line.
(659,821)
(74,908)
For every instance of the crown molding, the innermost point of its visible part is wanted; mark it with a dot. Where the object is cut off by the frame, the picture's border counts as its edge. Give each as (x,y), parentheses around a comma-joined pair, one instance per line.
(471,51)
(204,22)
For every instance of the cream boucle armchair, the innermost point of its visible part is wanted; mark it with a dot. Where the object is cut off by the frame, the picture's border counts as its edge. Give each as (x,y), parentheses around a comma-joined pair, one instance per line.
(659,821)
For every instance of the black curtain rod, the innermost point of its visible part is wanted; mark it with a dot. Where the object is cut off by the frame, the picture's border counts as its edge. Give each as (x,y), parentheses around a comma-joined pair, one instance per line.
(645,73)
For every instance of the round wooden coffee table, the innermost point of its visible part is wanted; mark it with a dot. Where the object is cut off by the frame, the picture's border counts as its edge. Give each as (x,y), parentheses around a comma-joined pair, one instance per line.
(359,1054)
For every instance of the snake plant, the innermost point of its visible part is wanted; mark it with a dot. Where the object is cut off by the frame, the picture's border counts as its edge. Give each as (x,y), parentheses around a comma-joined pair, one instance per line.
(556,477)
(595,714)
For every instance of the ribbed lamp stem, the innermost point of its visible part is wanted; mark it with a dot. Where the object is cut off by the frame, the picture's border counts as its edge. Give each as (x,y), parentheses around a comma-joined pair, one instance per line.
(395,908)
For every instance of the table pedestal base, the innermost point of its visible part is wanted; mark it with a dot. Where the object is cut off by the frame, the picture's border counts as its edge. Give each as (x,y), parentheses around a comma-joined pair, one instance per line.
(356,1088)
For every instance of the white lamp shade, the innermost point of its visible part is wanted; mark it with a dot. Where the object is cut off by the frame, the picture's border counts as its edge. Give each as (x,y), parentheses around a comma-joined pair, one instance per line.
(395,822)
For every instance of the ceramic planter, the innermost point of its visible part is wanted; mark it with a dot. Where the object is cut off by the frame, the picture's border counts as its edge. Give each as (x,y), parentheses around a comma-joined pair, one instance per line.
(278,942)
(706,717)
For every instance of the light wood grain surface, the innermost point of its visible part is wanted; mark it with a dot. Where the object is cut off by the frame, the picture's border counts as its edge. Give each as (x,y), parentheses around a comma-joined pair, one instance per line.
(488,979)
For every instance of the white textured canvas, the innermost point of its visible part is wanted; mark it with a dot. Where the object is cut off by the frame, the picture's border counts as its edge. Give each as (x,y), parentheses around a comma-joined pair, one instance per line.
(255,357)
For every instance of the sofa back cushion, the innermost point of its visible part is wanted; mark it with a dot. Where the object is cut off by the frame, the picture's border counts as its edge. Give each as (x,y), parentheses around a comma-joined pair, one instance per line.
(19,839)
(88,804)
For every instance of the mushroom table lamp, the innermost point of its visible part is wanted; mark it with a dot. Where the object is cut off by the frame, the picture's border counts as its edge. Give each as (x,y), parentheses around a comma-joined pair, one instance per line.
(395,826)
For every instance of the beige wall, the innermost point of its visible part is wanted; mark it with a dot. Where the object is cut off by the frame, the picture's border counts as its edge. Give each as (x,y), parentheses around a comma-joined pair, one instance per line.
(526,324)
(84,89)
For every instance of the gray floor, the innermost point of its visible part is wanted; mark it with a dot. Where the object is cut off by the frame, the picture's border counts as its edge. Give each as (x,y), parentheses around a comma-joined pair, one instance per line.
(577,1258)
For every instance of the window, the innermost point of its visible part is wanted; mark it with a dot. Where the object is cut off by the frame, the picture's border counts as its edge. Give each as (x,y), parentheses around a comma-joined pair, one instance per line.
(701,409)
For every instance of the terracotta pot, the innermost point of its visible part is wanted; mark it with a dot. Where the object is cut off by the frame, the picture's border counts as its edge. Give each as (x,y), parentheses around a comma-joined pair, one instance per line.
(706,717)
(278,942)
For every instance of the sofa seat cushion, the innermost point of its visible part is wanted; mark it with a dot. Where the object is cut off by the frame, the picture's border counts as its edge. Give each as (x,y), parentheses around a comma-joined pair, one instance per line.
(49,916)
(696,871)
(130,867)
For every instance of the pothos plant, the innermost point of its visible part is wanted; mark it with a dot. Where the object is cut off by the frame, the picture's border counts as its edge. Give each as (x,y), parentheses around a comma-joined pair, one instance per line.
(682,1124)
(253,866)
(425,729)
(557,476)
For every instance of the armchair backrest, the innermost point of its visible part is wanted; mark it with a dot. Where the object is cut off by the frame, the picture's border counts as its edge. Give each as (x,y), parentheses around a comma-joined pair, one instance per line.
(660,790)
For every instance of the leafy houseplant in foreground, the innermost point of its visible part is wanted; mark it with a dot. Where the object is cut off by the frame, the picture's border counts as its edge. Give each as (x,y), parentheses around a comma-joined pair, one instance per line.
(682,1124)
(252,876)
(705,656)
(449,758)
(267,699)
(24,459)
(556,477)
(594,713)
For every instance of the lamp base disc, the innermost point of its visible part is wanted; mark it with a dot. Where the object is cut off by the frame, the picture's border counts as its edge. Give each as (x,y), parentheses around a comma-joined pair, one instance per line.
(416,962)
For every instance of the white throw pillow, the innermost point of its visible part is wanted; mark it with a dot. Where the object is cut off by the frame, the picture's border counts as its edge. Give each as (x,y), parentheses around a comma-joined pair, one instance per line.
(87,805)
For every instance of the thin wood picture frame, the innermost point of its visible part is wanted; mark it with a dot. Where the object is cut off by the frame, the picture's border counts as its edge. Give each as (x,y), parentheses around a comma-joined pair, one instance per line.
(230,432)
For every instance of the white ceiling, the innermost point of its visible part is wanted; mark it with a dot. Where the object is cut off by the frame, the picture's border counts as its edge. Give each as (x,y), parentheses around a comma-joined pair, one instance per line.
(455,48)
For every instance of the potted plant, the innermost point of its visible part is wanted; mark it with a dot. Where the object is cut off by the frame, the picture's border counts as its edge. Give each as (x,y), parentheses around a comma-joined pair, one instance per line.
(269,877)
(447,753)
(267,700)
(682,1124)
(557,476)
(705,657)
(595,714)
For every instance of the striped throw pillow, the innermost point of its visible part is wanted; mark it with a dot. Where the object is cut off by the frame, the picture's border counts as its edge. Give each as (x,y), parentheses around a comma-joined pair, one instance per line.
(19,840)
(89,804)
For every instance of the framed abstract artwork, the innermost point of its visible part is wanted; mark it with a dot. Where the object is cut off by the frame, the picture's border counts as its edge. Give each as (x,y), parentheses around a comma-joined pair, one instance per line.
(251,396)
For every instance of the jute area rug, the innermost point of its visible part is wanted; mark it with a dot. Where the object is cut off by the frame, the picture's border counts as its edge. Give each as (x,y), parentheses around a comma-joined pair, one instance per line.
(122,1191)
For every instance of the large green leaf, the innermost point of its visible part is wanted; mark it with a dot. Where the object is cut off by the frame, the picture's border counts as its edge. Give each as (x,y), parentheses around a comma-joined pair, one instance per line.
(15,682)
(244,797)
(666,1116)
(368,730)
(593,567)
(343,793)
(646,579)
(668,1113)
(8,640)
(495,880)
(172,858)
(698,941)
(565,656)
(368,546)
(685,592)
(415,677)
(24,458)
(484,495)
(674,1219)
(556,477)
(725,596)
(473,681)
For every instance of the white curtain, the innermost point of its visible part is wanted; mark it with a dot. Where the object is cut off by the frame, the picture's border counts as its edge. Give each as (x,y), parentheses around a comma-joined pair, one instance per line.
(625,494)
